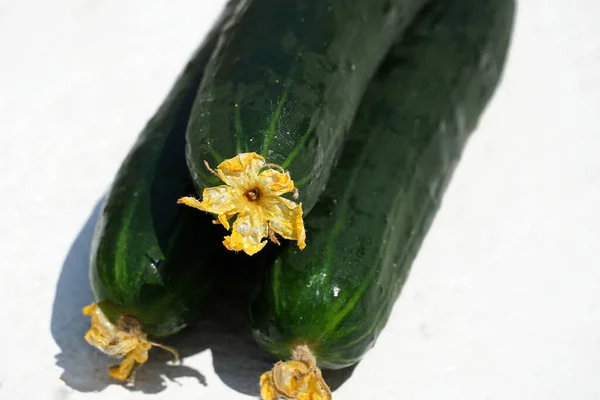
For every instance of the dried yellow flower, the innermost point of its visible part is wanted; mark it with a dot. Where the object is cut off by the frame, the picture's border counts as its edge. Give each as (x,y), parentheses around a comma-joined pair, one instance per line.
(253,191)
(299,379)
(125,341)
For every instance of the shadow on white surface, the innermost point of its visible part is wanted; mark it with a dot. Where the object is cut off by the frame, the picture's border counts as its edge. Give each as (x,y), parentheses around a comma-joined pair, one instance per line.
(83,366)
(237,360)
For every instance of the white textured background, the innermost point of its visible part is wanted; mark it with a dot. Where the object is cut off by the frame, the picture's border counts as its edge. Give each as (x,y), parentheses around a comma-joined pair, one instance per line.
(503,301)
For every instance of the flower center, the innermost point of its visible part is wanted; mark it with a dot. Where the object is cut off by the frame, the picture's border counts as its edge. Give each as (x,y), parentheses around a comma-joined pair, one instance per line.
(252,195)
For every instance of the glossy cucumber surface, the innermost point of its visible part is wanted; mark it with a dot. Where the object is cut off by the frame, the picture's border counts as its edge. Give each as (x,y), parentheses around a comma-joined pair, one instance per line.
(285,82)
(151,258)
(364,233)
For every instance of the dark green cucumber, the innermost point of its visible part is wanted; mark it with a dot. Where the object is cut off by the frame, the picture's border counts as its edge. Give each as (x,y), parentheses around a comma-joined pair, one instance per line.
(417,114)
(152,259)
(285,82)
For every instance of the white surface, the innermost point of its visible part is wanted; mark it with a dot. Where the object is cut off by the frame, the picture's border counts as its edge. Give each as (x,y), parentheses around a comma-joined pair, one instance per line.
(504,299)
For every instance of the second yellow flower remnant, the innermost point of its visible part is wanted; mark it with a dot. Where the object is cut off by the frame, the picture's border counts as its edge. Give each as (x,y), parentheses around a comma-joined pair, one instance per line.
(299,379)
(126,341)
(253,191)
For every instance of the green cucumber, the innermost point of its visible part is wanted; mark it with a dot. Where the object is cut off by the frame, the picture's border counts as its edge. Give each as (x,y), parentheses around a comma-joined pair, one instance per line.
(152,259)
(409,133)
(285,83)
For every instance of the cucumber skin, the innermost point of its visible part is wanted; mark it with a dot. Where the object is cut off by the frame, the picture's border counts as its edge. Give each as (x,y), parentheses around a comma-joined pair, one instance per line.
(337,294)
(145,260)
(285,82)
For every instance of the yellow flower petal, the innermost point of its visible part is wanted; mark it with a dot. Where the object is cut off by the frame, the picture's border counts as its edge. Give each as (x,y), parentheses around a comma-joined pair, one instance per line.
(267,390)
(275,183)
(107,337)
(137,356)
(220,200)
(248,233)
(285,218)
(241,170)
(224,219)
